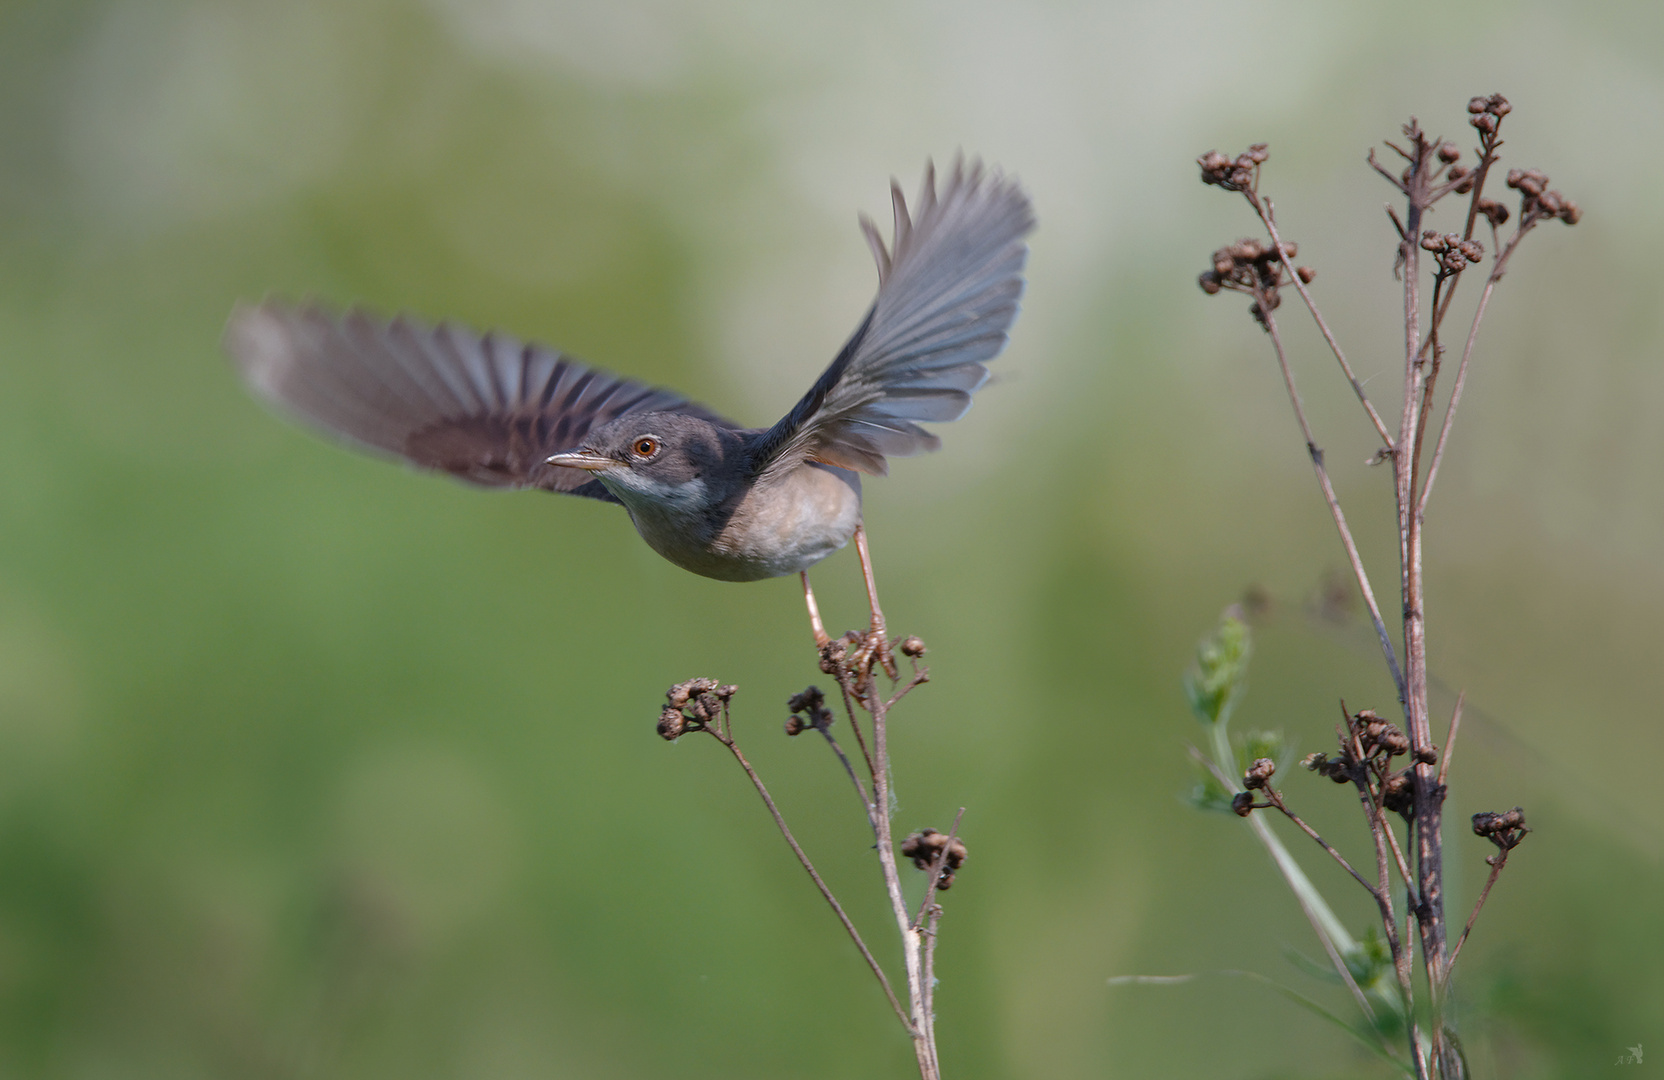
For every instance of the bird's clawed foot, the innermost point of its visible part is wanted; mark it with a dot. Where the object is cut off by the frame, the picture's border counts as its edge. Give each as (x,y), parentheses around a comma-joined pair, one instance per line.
(858,651)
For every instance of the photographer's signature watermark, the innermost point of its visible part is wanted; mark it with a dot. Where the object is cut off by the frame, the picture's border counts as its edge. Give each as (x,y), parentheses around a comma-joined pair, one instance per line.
(1633,1057)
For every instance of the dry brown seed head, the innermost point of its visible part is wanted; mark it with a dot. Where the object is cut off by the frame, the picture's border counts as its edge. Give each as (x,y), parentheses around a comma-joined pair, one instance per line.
(1306,274)
(912,646)
(1498,106)
(1449,152)
(671,723)
(1398,794)
(1477,105)
(1242,803)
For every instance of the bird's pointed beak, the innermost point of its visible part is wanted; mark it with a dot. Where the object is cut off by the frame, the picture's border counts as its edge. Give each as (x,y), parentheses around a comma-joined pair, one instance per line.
(587,460)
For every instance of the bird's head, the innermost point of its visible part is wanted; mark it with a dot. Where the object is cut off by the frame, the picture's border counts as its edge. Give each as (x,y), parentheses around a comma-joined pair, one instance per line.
(672,460)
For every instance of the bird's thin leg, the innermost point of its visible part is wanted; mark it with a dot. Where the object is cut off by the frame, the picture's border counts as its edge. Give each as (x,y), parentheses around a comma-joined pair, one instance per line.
(876,645)
(821,640)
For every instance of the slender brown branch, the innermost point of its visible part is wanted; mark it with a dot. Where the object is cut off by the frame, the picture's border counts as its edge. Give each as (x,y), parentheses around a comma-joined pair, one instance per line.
(1402,862)
(937,865)
(1276,801)
(1333,501)
(920,676)
(1497,861)
(1382,169)
(854,724)
(922,1024)
(929,964)
(809,867)
(1267,215)
(860,790)
(1450,740)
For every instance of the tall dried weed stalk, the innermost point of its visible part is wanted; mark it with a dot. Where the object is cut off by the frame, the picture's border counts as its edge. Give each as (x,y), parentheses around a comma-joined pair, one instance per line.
(855,662)
(1395,769)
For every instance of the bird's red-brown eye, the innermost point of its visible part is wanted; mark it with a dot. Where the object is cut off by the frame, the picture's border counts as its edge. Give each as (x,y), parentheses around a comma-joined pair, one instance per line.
(645,447)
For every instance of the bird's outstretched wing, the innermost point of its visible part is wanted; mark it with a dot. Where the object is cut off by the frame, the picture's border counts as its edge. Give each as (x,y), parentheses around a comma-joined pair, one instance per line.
(947,293)
(486,408)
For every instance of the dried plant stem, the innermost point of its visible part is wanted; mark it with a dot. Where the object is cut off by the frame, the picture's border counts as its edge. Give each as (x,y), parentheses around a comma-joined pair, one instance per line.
(1431,171)
(1329,497)
(860,789)
(921,1023)
(1276,800)
(1428,795)
(1450,739)
(929,920)
(1497,861)
(727,740)
(1268,216)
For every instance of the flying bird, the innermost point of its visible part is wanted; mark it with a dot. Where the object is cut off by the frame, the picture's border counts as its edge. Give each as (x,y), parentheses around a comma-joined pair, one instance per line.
(722,500)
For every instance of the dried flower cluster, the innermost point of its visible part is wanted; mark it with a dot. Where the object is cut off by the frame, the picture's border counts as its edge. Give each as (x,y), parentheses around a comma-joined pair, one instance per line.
(1254,267)
(694,705)
(1538,201)
(1453,252)
(1367,748)
(1505,830)
(927,846)
(809,712)
(1241,173)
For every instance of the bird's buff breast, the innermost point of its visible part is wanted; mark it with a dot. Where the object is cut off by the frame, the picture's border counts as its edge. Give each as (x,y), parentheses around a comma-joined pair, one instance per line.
(780,526)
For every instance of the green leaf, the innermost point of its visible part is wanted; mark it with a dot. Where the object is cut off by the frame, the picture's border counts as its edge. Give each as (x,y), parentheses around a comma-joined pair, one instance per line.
(1216,681)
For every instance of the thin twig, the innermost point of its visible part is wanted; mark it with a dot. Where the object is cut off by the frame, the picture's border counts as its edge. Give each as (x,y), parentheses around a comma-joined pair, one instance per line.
(1403,864)
(920,676)
(922,1025)
(1335,511)
(802,857)
(860,791)
(1267,214)
(1450,740)
(1276,800)
(855,726)
(937,865)
(1456,393)
(1378,167)
(1497,861)
(929,934)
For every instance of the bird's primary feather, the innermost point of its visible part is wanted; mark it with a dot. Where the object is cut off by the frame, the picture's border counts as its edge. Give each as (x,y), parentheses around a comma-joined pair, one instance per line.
(486,408)
(948,290)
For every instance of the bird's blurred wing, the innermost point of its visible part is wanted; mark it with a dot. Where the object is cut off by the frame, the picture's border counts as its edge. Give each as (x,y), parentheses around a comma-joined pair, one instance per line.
(947,294)
(483,407)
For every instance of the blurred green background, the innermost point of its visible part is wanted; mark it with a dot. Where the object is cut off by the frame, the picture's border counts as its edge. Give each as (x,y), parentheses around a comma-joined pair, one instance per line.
(312,766)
